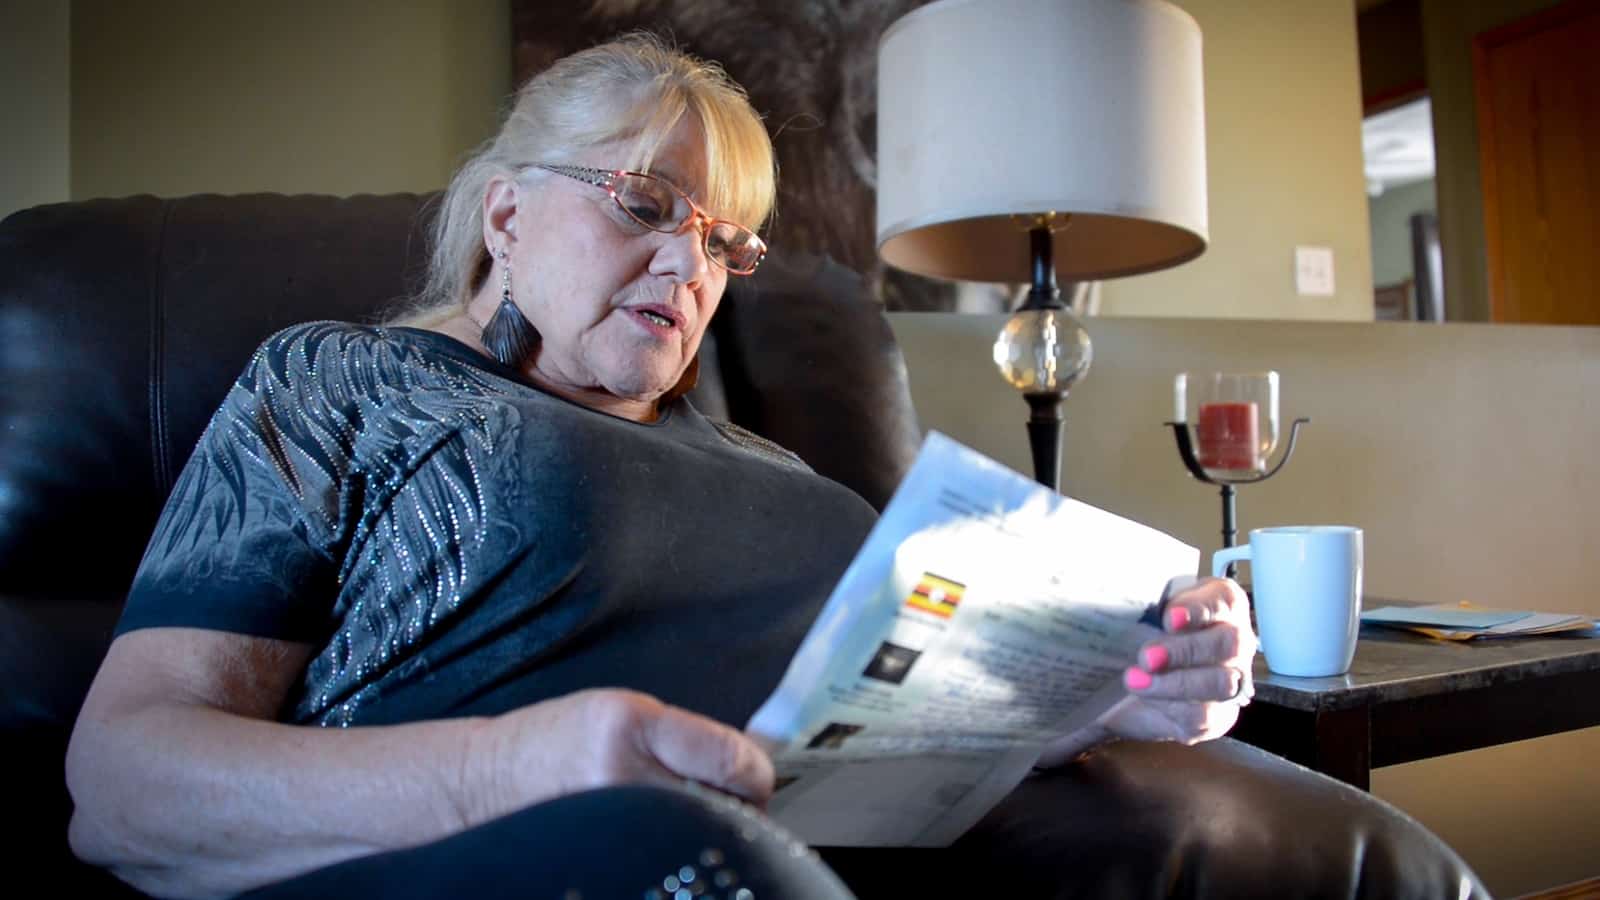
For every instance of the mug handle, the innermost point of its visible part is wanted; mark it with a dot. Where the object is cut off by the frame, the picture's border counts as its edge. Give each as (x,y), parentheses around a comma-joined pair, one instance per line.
(1220,559)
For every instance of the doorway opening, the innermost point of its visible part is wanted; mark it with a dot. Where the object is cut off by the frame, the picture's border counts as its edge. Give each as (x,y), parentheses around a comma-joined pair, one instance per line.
(1402,207)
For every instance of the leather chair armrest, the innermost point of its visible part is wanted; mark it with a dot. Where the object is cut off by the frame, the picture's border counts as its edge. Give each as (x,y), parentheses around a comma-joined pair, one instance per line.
(1222,819)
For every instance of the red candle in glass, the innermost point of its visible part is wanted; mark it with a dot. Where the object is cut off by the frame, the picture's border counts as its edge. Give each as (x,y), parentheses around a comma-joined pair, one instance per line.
(1228,436)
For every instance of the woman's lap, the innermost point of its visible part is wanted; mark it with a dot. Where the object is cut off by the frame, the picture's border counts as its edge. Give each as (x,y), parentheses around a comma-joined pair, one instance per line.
(624,841)
(616,842)
(1135,820)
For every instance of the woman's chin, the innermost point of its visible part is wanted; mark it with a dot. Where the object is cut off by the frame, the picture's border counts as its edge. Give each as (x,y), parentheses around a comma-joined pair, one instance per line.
(646,382)
(637,389)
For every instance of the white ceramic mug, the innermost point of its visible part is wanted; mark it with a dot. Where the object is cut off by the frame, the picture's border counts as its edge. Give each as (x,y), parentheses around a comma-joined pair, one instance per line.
(1306,587)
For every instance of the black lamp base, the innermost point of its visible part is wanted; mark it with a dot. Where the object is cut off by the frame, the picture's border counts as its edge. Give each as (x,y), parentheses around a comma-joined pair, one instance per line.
(1044,436)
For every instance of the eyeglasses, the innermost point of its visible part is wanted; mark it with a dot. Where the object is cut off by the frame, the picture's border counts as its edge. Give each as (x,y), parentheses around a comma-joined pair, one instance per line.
(658,204)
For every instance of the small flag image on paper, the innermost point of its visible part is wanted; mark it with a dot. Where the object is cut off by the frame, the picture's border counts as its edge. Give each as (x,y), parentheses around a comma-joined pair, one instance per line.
(937,595)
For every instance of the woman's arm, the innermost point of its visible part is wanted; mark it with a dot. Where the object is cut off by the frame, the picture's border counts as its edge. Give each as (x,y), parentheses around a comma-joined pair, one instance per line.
(184,785)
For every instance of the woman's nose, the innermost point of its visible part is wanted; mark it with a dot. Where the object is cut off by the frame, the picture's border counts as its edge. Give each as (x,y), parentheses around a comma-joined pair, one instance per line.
(683,254)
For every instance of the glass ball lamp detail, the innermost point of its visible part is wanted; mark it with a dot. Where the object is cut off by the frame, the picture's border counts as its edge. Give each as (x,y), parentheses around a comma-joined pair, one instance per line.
(1043,351)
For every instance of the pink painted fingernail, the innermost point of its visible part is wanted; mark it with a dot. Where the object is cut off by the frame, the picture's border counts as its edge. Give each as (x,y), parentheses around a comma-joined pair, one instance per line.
(1179,617)
(1155,658)
(1136,678)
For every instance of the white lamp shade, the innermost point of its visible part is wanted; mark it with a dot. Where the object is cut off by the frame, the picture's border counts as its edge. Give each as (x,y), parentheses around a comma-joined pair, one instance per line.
(989,109)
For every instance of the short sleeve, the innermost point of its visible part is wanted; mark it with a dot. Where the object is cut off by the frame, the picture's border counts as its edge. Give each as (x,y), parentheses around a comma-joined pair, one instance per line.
(247,541)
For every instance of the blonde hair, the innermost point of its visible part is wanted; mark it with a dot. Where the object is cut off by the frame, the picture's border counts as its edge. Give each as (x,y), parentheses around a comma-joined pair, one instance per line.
(635,87)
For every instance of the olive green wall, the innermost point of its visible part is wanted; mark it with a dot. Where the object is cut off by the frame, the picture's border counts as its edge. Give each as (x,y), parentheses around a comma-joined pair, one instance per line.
(360,95)
(1283,148)
(182,96)
(34,103)
(320,96)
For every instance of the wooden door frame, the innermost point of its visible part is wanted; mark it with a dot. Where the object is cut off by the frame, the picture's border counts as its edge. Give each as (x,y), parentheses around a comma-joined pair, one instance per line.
(1482,43)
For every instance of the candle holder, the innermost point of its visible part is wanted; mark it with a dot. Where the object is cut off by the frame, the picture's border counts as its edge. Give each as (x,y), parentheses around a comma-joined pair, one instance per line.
(1234,436)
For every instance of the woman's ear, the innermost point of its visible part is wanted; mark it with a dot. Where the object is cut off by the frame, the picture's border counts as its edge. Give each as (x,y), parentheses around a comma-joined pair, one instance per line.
(500,214)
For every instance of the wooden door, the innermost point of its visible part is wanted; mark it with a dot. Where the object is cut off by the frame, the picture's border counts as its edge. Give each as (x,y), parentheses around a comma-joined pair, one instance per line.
(1538,86)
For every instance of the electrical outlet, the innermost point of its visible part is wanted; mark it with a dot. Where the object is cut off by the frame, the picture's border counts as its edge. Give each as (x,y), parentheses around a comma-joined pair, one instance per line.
(1313,271)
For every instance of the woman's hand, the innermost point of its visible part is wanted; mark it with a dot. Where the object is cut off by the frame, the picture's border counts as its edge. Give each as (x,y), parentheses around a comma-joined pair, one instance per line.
(602,737)
(1189,683)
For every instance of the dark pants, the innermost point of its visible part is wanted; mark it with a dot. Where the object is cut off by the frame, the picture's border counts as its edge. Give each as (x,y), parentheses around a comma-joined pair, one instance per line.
(612,843)
(1134,820)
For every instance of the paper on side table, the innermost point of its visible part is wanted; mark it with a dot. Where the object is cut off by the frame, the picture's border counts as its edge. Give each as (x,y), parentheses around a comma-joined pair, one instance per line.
(1466,621)
(983,617)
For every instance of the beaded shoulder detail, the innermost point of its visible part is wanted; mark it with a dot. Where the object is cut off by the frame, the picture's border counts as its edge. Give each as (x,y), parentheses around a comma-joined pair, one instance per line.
(759,445)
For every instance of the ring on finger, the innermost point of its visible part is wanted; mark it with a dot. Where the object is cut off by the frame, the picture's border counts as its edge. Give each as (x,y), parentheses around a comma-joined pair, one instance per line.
(1243,690)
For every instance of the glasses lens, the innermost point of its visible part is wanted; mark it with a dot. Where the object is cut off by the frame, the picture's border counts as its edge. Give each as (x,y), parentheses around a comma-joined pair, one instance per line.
(651,202)
(738,249)
(658,206)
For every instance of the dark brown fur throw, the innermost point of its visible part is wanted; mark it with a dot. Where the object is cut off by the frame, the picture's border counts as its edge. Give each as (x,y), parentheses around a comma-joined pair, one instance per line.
(810,67)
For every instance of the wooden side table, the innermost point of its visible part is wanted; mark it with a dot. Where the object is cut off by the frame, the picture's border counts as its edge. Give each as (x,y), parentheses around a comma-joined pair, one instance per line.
(1408,697)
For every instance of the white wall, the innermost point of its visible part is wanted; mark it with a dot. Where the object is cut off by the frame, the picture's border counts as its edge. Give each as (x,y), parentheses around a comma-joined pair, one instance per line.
(35,84)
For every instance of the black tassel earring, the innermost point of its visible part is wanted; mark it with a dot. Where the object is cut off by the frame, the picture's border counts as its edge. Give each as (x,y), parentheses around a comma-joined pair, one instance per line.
(509,336)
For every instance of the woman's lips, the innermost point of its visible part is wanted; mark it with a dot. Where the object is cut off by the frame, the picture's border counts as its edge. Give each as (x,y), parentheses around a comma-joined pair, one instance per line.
(657,320)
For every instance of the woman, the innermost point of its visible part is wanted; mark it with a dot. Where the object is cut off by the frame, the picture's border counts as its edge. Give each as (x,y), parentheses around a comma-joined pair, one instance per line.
(497,538)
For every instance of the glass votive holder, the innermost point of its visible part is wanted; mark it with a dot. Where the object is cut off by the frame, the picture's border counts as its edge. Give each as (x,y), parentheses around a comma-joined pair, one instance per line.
(1233,417)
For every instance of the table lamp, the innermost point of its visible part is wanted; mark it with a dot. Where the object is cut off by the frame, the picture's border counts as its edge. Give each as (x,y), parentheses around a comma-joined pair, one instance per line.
(1024,140)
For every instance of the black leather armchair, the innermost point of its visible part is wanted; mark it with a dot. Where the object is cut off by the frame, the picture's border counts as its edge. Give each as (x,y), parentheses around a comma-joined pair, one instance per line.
(122,323)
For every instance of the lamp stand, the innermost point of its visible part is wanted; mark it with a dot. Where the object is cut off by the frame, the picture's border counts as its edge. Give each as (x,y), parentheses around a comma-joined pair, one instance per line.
(1045,422)
(1044,436)
(1042,351)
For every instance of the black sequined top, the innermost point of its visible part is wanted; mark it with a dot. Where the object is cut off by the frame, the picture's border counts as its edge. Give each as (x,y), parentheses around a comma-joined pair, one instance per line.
(455,541)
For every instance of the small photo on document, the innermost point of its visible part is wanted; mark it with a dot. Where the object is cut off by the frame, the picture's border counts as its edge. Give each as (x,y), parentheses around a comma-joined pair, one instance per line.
(891,663)
(832,736)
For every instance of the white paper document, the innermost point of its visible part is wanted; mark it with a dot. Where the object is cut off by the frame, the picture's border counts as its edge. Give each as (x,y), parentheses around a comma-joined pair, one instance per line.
(984,616)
